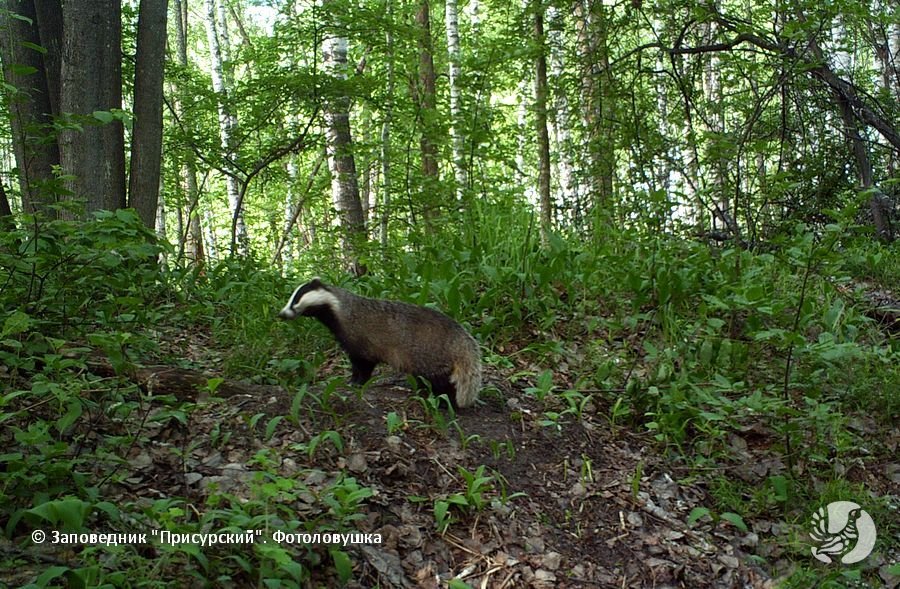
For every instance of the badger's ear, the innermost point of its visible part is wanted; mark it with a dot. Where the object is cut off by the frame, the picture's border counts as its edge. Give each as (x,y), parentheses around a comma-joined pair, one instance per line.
(316,282)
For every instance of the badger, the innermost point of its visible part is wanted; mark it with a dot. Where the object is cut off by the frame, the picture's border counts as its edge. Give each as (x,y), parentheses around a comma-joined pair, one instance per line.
(416,340)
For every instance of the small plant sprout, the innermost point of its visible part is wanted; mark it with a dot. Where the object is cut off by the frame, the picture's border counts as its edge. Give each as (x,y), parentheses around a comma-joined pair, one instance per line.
(432,408)
(395,423)
(551,419)
(587,469)
(576,402)
(498,448)
(543,386)
(465,440)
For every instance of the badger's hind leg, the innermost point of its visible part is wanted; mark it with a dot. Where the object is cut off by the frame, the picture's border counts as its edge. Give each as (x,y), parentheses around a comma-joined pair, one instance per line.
(361,370)
(438,384)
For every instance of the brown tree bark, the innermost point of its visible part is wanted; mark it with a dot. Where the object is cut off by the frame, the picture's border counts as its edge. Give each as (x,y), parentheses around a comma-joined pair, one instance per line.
(50,26)
(91,73)
(191,213)
(31,107)
(540,119)
(146,145)
(5,209)
(592,29)
(427,103)
(341,160)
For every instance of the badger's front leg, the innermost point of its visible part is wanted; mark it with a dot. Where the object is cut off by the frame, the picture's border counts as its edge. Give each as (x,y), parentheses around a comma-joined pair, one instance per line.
(361,370)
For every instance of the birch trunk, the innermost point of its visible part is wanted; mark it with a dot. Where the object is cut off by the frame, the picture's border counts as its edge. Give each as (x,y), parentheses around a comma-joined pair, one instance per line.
(291,203)
(386,131)
(426,97)
(339,144)
(218,49)
(561,122)
(193,236)
(540,120)
(715,128)
(456,125)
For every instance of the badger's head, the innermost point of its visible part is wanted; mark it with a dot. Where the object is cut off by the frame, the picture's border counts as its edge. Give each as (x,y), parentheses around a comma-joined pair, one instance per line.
(309,299)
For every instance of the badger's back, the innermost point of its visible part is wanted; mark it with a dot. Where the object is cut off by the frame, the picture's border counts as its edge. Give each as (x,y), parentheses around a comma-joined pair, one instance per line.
(413,339)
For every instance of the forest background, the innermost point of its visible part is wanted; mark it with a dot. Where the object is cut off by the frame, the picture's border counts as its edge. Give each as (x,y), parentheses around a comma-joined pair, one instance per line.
(671,226)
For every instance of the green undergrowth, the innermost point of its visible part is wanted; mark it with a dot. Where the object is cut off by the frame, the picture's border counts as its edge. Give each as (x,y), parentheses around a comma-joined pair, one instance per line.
(690,343)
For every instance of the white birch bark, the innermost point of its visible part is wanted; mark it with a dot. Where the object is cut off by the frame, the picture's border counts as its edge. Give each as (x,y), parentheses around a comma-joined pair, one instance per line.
(522,175)
(386,187)
(191,240)
(456,138)
(290,210)
(715,126)
(218,48)
(560,121)
(339,147)
(663,170)
(209,235)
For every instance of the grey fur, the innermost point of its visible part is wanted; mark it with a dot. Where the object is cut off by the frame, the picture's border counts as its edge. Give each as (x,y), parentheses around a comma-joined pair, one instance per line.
(413,339)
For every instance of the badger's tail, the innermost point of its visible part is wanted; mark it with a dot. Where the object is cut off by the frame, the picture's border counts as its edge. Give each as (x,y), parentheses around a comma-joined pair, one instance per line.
(466,376)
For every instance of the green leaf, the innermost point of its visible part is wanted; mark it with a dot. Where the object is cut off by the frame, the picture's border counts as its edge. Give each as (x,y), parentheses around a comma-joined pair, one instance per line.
(18,322)
(440,511)
(706,352)
(696,514)
(342,565)
(457,584)
(735,520)
(273,423)
(212,384)
(22,70)
(70,511)
(780,486)
(51,573)
(75,410)
(104,116)
(35,47)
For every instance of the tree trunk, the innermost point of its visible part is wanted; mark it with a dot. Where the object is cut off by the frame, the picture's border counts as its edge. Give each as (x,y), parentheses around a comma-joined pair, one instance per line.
(285,255)
(91,72)
(714,127)
(146,145)
(161,219)
(32,104)
(218,49)
(344,187)
(597,97)
(540,120)
(877,202)
(297,210)
(427,112)
(50,26)
(386,130)
(663,169)
(456,120)
(194,233)
(6,222)
(561,122)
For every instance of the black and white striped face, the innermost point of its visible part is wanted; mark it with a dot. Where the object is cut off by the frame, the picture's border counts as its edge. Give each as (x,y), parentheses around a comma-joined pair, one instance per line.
(306,298)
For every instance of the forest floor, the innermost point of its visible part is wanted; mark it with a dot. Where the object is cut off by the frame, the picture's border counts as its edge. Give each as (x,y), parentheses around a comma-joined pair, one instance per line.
(533,500)
(578,503)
